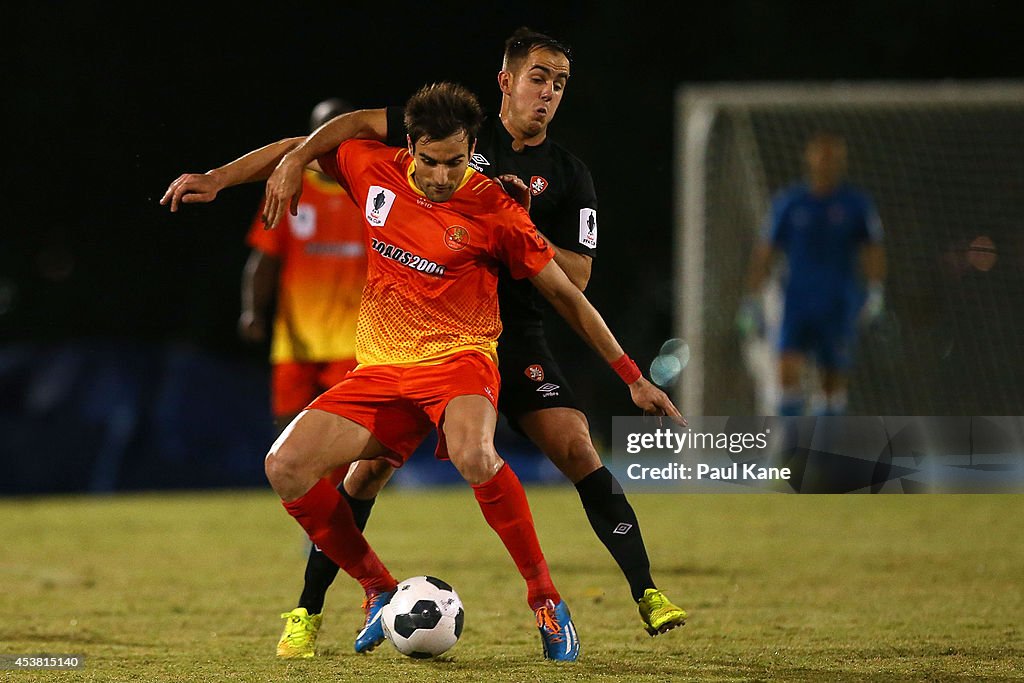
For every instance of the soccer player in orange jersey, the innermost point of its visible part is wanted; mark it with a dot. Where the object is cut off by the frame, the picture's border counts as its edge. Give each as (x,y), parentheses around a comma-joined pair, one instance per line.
(426,340)
(315,267)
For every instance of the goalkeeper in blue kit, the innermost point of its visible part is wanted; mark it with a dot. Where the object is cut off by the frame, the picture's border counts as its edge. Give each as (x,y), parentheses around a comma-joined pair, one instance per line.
(831,236)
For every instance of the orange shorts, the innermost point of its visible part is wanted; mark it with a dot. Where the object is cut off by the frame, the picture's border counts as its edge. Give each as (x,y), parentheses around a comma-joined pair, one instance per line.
(398,404)
(294,384)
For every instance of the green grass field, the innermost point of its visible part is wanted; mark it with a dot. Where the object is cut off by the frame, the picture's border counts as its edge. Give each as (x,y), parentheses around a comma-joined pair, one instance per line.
(188,587)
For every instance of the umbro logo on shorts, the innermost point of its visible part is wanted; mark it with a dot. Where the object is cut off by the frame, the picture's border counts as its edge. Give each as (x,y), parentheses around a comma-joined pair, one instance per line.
(547,390)
(622,529)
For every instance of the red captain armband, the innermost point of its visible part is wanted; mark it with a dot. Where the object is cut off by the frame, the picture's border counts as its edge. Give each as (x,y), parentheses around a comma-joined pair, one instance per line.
(626,369)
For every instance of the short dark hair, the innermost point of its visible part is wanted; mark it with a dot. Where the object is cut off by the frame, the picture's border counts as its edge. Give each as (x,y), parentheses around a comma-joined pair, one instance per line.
(327,110)
(440,110)
(520,43)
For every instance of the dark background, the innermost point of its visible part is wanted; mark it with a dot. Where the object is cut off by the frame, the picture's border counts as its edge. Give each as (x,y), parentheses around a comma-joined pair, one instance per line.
(106,105)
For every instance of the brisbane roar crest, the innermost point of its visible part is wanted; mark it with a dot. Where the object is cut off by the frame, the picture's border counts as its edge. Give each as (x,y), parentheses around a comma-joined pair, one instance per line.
(456,238)
(535,372)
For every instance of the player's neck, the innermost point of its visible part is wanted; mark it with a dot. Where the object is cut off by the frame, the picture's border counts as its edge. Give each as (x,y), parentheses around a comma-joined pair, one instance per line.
(520,139)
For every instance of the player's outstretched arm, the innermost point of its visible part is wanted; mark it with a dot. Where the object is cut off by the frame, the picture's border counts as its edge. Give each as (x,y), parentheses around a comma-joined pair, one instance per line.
(190,188)
(577,267)
(572,305)
(284,186)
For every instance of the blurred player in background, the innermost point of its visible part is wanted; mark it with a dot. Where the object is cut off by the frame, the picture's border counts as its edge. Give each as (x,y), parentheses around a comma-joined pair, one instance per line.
(427,342)
(315,268)
(535,395)
(831,236)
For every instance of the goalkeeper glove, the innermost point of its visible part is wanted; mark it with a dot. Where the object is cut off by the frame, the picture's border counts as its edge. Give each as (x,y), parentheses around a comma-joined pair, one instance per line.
(874,305)
(750,316)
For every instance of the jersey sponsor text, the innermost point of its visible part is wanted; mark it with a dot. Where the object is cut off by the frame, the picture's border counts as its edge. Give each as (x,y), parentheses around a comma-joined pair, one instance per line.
(407,258)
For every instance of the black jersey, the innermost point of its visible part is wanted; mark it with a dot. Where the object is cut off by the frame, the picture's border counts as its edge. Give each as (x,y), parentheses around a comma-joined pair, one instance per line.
(563,206)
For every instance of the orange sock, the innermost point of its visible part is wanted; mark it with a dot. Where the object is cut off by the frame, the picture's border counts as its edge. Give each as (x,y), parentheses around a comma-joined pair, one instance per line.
(503,502)
(328,522)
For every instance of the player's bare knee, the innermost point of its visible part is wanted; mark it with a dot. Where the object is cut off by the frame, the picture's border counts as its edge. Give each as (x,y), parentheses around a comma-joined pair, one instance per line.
(476,462)
(366,478)
(578,457)
(274,470)
(285,471)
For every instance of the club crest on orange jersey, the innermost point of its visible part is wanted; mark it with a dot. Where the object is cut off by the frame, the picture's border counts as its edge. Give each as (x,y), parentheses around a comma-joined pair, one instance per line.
(535,372)
(456,238)
(537,185)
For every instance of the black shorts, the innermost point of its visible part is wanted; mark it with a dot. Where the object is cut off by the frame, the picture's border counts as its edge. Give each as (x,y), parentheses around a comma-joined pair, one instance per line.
(530,379)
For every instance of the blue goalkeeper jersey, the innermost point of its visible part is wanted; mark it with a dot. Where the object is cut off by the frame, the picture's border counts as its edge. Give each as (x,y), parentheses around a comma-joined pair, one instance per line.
(821,237)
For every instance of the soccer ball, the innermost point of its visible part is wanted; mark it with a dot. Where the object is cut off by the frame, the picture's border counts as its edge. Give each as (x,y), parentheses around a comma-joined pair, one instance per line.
(424,617)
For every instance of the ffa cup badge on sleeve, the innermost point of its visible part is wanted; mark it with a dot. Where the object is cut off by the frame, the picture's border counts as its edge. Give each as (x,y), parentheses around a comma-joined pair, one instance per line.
(588,228)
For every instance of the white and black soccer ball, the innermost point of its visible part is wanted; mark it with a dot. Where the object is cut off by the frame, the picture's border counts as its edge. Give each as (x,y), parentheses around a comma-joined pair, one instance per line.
(424,617)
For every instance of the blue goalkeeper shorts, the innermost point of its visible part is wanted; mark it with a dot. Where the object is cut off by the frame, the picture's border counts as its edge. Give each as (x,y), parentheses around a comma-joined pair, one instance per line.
(829,337)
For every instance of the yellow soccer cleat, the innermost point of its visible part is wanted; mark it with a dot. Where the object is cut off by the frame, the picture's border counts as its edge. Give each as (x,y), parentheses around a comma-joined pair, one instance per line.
(658,612)
(300,631)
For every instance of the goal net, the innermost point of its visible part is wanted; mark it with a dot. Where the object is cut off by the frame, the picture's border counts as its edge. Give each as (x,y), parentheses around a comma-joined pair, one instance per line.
(944,163)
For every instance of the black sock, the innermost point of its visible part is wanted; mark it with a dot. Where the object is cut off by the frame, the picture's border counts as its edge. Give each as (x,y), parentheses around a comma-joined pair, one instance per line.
(320,569)
(615,524)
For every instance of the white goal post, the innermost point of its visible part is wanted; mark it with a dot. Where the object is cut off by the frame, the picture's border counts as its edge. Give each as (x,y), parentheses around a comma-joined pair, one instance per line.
(945,164)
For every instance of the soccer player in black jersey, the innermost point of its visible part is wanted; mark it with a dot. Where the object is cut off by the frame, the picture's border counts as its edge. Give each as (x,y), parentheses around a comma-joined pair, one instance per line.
(535,396)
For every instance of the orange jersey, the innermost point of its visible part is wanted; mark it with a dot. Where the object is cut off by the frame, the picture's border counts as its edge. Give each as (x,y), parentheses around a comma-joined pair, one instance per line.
(323,269)
(432,273)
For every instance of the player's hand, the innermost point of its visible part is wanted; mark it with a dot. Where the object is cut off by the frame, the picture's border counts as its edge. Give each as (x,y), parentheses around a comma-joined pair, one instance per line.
(516,189)
(192,188)
(874,305)
(654,401)
(284,187)
(252,328)
(750,316)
